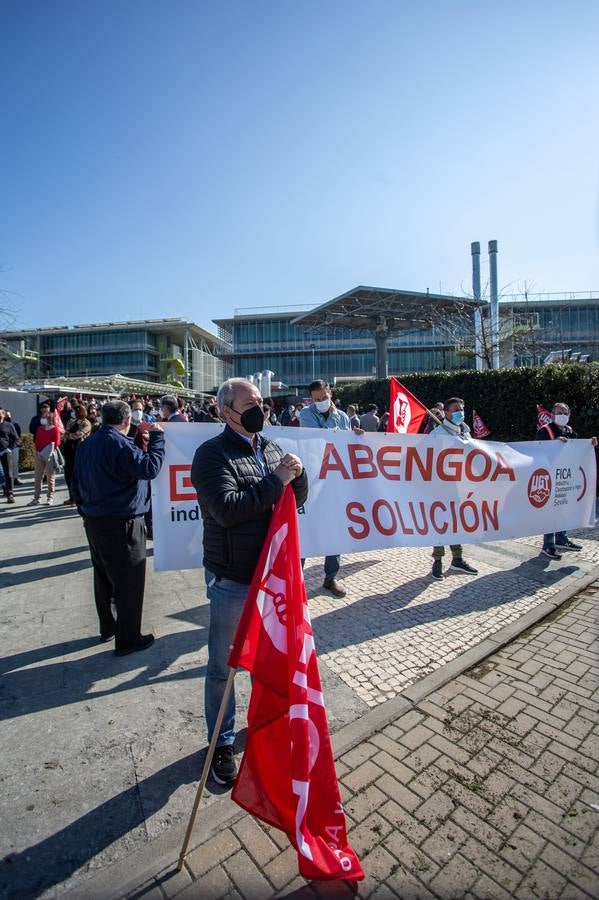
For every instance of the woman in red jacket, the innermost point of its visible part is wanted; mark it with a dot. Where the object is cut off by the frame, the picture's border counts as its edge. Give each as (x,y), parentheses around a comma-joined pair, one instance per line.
(47,439)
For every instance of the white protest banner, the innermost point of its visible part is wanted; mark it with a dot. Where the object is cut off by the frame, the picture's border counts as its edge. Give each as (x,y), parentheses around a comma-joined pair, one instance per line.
(389,490)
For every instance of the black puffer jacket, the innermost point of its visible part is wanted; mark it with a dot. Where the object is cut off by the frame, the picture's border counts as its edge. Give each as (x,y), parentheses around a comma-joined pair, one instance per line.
(237,500)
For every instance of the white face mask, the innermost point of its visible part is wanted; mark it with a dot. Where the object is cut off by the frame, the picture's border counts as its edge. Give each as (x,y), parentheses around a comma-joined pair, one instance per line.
(136,416)
(561,419)
(43,421)
(322,405)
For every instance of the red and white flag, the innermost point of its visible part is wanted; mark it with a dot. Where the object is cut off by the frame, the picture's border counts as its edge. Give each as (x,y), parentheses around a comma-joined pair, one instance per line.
(287,776)
(479,428)
(58,417)
(544,417)
(406,412)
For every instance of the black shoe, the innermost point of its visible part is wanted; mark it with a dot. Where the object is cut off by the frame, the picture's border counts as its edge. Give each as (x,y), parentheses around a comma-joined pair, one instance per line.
(460,565)
(145,641)
(568,545)
(332,585)
(104,638)
(223,769)
(18,482)
(551,552)
(10,499)
(437,570)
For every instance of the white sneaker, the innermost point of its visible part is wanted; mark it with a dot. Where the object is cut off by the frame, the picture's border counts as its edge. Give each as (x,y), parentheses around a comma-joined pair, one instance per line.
(50,501)
(34,503)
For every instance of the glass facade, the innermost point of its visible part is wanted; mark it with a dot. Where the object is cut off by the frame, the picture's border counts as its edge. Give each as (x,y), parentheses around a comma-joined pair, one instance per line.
(136,352)
(298,354)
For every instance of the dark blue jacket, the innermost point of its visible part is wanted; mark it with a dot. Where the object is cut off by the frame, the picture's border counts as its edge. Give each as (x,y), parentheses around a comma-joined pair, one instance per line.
(111,474)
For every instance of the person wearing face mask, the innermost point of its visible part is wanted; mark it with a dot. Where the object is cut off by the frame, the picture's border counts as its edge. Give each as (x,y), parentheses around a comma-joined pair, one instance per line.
(322,413)
(36,421)
(77,429)
(238,475)
(559,429)
(137,418)
(453,425)
(47,439)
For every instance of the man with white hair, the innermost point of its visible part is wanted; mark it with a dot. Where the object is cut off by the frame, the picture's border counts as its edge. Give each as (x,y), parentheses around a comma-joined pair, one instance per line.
(239,475)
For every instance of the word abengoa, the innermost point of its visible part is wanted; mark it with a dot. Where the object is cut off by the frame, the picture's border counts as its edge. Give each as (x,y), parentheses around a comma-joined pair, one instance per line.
(388,490)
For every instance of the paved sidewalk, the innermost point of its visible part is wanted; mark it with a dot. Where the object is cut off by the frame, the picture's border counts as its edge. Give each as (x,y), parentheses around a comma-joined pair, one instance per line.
(101,755)
(485,788)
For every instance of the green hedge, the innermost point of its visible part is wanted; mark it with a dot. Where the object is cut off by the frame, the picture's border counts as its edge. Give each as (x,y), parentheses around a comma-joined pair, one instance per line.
(506,399)
(26,453)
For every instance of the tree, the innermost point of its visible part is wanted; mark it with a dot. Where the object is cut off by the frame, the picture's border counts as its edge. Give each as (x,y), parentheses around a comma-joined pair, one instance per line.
(459,328)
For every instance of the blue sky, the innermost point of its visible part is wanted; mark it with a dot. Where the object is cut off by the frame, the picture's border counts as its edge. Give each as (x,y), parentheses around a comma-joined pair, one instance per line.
(180,157)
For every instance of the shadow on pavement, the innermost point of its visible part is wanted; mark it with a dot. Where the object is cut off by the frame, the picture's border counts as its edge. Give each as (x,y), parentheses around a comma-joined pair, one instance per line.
(53,860)
(25,691)
(338,629)
(35,558)
(11,579)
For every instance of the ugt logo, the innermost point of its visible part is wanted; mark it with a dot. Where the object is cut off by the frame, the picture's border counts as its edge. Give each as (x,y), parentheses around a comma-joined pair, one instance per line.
(401,413)
(539,488)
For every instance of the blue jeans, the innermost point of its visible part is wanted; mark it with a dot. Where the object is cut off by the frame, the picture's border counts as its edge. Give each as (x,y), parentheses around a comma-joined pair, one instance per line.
(332,564)
(553,538)
(227,599)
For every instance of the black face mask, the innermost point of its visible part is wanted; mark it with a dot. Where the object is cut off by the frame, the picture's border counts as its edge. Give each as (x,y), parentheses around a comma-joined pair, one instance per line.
(252,419)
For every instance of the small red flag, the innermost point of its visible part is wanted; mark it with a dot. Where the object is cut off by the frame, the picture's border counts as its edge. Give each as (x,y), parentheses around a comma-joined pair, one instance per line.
(406,412)
(287,776)
(544,417)
(478,426)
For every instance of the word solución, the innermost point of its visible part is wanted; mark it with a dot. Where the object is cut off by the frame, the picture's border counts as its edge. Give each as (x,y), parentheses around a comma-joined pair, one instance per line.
(389,517)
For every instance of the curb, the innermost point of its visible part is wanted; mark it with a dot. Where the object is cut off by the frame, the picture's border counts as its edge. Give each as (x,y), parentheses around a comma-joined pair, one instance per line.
(161,853)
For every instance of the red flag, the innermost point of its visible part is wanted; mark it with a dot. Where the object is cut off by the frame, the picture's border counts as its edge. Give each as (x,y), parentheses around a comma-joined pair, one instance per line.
(58,417)
(287,776)
(544,417)
(406,413)
(478,426)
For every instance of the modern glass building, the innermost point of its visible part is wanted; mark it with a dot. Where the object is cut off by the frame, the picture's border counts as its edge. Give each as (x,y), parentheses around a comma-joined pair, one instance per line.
(253,340)
(152,350)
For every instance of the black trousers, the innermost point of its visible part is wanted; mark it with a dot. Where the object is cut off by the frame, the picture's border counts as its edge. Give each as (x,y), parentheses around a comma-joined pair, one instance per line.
(118,554)
(5,460)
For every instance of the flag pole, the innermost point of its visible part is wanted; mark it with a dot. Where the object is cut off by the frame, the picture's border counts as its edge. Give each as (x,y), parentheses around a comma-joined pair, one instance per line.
(206,769)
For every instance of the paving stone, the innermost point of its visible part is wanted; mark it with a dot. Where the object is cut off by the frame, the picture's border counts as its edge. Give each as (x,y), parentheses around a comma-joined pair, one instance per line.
(404,822)
(541,881)
(392,765)
(444,842)
(411,857)
(370,832)
(363,804)
(399,792)
(455,878)
(283,868)
(213,851)
(416,736)
(362,776)
(435,810)
(214,885)
(246,877)
(255,841)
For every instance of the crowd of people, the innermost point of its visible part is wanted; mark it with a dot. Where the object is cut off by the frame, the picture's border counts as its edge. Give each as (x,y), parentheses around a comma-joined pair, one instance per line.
(111,452)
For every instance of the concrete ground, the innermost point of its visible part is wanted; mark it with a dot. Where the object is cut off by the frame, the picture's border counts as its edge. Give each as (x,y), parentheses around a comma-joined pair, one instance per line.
(101,754)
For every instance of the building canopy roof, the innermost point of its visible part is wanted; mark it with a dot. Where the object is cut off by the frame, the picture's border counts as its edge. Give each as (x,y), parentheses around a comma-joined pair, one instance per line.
(372,308)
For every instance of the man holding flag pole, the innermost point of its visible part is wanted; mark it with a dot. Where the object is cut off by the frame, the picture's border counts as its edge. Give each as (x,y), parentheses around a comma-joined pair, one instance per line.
(238,476)
(287,776)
